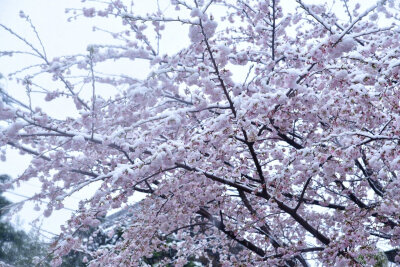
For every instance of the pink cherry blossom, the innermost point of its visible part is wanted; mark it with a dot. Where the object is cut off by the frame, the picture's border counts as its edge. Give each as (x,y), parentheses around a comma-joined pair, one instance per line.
(274,133)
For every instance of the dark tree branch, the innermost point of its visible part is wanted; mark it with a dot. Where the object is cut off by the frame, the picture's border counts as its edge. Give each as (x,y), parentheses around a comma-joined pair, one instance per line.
(373,184)
(306,225)
(219,225)
(215,66)
(301,199)
(273,30)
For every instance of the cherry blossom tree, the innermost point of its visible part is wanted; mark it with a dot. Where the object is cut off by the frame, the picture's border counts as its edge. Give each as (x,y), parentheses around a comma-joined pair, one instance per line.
(276,129)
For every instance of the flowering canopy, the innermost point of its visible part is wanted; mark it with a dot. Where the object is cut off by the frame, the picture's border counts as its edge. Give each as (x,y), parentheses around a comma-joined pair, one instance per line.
(274,130)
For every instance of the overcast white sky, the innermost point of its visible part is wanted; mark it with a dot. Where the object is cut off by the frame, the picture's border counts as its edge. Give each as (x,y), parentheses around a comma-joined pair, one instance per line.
(47,16)
(60,38)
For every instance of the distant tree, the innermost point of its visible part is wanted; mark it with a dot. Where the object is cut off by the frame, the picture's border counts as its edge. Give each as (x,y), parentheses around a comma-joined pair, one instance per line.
(275,128)
(17,248)
(94,239)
